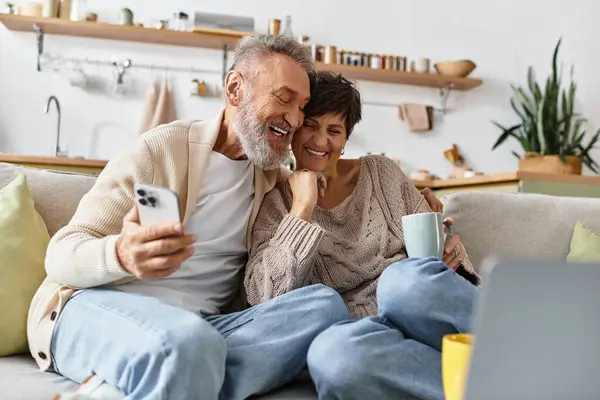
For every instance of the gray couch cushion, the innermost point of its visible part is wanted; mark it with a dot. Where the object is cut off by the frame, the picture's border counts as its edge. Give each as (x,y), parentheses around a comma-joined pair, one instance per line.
(22,380)
(56,194)
(518,225)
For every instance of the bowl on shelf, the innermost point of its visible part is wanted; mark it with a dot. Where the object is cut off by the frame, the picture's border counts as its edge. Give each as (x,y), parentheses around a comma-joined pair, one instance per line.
(459,68)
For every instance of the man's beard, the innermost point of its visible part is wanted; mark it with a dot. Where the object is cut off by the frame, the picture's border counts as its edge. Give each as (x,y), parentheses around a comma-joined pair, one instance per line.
(254,136)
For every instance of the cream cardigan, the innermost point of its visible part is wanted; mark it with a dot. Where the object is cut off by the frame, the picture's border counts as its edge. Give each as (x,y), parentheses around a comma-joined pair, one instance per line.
(83,254)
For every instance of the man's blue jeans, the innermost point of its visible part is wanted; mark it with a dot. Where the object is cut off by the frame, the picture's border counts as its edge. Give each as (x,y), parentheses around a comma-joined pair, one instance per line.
(151,350)
(397,354)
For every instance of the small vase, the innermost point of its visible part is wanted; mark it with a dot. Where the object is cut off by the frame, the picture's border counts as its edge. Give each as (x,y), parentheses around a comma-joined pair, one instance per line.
(126,17)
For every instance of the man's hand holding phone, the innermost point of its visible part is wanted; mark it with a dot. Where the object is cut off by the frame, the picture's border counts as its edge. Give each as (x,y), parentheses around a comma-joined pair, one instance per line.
(152,252)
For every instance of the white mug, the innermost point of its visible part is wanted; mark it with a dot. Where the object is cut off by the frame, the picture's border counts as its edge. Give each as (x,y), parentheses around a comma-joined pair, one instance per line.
(422,65)
(424,234)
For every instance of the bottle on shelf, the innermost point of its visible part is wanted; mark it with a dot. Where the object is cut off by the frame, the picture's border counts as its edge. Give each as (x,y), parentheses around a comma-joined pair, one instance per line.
(287,30)
(274,26)
(64,9)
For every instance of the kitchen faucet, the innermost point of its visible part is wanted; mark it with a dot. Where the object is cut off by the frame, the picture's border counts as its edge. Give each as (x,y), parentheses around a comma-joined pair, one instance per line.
(57,151)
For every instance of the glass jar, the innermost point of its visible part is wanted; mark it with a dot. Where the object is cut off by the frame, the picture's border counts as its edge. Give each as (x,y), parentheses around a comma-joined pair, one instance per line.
(388,62)
(340,56)
(375,61)
(348,60)
(317,52)
(363,60)
(402,66)
(329,55)
(274,26)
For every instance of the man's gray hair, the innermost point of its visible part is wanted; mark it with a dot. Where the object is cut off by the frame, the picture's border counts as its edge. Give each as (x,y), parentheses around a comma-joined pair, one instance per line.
(255,48)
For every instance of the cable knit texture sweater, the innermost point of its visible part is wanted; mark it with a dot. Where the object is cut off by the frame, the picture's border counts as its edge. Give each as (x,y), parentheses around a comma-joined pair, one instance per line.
(346,247)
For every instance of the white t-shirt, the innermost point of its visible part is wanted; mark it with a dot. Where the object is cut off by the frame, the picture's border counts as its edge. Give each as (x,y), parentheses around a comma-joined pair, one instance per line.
(209,279)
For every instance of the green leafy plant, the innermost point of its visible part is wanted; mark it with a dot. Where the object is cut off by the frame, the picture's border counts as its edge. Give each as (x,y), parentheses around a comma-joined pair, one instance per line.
(548,123)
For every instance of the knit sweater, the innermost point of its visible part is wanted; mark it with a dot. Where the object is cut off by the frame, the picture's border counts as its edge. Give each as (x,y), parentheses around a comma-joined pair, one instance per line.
(346,247)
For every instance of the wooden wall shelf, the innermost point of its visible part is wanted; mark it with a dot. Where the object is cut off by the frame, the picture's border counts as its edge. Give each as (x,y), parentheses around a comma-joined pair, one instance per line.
(217,39)
(206,38)
(401,77)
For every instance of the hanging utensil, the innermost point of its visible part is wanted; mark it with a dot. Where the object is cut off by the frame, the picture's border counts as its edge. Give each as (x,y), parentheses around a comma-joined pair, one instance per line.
(39,33)
(121,69)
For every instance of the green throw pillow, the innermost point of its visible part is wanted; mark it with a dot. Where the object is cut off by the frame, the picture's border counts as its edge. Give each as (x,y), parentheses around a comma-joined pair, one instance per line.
(23,242)
(585,244)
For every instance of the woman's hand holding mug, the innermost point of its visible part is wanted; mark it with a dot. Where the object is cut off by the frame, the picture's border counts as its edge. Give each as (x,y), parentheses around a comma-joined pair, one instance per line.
(307,186)
(429,235)
(454,251)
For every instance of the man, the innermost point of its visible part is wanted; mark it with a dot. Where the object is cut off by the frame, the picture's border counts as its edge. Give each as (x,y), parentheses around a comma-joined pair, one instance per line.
(149,318)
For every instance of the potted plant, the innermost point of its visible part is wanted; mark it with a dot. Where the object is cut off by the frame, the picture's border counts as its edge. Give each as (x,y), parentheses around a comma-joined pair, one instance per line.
(10,8)
(550,132)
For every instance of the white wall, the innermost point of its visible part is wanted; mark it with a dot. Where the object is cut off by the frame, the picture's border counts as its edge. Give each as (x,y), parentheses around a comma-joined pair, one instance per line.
(502,37)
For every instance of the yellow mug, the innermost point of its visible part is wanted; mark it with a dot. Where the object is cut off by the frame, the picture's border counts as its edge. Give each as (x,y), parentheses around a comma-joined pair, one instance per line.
(456,356)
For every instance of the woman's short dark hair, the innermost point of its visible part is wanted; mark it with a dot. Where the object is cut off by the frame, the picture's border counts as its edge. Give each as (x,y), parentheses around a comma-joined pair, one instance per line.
(333,94)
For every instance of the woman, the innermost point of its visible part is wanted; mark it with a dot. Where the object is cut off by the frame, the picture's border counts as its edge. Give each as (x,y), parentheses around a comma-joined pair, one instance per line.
(343,230)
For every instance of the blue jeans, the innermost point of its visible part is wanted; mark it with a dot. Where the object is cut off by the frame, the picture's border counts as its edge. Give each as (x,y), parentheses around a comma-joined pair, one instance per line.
(151,350)
(397,354)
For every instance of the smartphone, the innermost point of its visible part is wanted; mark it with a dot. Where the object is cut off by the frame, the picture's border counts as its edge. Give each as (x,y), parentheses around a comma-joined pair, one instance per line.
(156,205)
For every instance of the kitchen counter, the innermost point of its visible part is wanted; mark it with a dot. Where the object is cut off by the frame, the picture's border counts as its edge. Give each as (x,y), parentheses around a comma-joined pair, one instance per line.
(518,182)
(56,163)
(507,177)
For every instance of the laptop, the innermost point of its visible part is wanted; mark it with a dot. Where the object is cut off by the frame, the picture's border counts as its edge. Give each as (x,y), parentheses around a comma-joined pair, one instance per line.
(537,332)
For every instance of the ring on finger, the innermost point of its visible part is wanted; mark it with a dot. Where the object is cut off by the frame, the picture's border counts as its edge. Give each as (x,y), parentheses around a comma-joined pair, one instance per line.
(456,251)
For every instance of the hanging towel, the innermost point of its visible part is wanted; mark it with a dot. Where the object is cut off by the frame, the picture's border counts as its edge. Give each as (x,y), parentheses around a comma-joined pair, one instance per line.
(159,107)
(165,112)
(417,117)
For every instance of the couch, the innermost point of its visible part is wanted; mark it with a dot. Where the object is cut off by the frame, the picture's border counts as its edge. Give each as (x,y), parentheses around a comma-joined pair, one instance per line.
(500,224)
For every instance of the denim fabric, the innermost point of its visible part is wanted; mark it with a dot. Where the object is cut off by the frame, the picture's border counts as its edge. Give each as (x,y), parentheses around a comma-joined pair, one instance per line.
(151,350)
(395,355)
